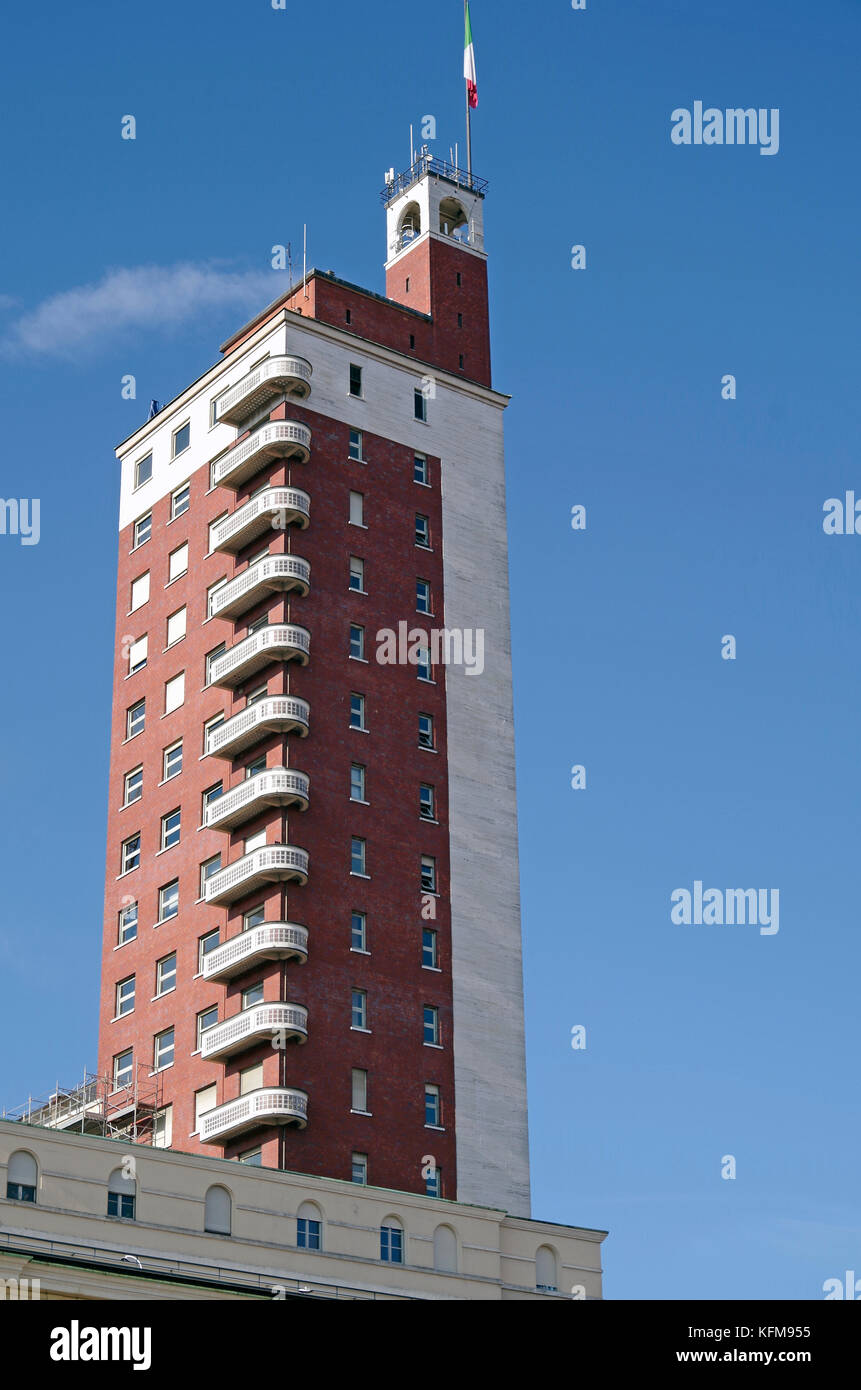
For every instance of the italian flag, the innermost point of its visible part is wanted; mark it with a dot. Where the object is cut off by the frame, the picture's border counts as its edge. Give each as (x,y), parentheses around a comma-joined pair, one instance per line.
(469,63)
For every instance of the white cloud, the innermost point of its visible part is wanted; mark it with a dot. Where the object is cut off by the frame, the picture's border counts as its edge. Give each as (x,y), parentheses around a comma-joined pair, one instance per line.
(139,298)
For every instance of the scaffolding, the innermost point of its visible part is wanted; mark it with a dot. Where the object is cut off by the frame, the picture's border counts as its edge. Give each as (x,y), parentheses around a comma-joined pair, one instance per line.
(97,1106)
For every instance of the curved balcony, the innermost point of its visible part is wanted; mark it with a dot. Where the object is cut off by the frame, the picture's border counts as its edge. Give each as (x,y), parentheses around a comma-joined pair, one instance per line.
(277,786)
(268,864)
(280,642)
(284,941)
(277,376)
(280,439)
(262,1021)
(275,572)
(268,1106)
(274,714)
(274,509)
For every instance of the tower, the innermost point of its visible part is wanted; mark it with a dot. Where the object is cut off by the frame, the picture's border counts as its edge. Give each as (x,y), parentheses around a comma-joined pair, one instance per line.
(312,927)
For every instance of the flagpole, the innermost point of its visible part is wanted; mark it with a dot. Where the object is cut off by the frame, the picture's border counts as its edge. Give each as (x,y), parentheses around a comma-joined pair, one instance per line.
(468,115)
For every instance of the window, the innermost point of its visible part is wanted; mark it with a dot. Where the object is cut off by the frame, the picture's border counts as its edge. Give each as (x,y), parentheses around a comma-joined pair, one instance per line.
(137,655)
(121,1196)
(127,928)
(433,1107)
(255,841)
(357,575)
(428,874)
(546,1276)
(357,711)
(163,1051)
(168,901)
(430,949)
(357,782)
(356,446)
(461,361)
(136,719)
(130,856)
(426,731)
(423,596)
(207,1019)
(213,412)
(204,1101)
(253,1157)
(123,1070)
(420,405)
(427,802)
(359,1013)
(162,1131)
(254,695)
(460,320)
(252,769)
(422,531)
(216,1211)
(209,729)
(308,1227)
(358,857)
(412,340)
(211,658)
(357,642)
(143,530)
(459,278)
(22,1177)
(253,995)
(359,1169)
(180,502)
(140,592)
(358,932)
(174,693)
(424,669)
(170,829)
(349,316)
(357,509)
(392,1245)
(407,285)
(251,1079)
(177,562)
(181,439)
(421,471)
(207,869)
(165,975)
(213,527)
(176,626)
(143,470)
(125,1000)
(133,786)
(254,917)
(172,764)
(206,944)
(257,625)
(209,796)
(431,1026)
(360,1091)
(211,594)
(433,1188)
(355,380)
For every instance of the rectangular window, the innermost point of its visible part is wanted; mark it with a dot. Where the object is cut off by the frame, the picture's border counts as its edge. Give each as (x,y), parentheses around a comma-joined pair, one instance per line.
(423,596)
(181,439)
(209,796)
(357,783)
(123,1069)
(460,320)
(163,1050)
(125,1001)
(168,901)
(211,593)
(127,928)
(136,719)
(391,1245)
(420,404)
(253,995)
(172,764)
(431,1025)
(427,802)
(430,949)
(143,470)
(170,829)
(428,874)
(162,1132)
(143,530)
(130,856)
(254,917)
(207,1019)
(421,471)
(357,575)
(433,1107)
(357,711)
(165,975)
(433,1183)
(355,380)
(180,502)
(251,1079)
(254,695)
(253,1157)
(358,932)
(174,693)
(213,412)
(459,278)
(204,1101)
(422,531)
(176,625)
(359,1013)
(209,729)
(133,786)
(177,562)
(140,592)
(357,857)
(359,1169)
(255,842)
(426,731)
(212,657)
(206,944)
(424,669)
(357,642)
(213,527)
(138,655)
(252,769)
(356,445)
(307,1229)
(360,1090)
(357,509)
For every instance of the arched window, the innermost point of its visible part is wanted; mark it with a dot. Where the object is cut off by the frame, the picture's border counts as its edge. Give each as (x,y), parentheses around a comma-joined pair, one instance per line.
(216,1211)
(546,1274)
(309,1227)
(392,1241)
(410,225)
(121,1195)
(453,221)
(22,1177)
(445,1250)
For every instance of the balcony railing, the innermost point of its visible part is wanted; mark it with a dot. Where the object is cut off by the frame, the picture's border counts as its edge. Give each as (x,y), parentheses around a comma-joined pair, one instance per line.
(275,572)
(277,786)
(280,439)
(274,509)
(269,941)
(268,1106)
(279,642)
(280,1022)
(268,864)
(277,376)
(275,714)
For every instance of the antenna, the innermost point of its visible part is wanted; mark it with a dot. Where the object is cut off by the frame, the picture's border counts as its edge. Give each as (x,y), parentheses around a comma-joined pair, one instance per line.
(412,149)
(305,258)
(290,265)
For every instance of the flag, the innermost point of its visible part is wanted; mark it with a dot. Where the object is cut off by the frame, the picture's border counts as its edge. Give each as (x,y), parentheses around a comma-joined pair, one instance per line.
(469,63)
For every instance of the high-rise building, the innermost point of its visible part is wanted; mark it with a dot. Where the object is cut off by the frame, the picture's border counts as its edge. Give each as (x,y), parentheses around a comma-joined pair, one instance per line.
(312,955)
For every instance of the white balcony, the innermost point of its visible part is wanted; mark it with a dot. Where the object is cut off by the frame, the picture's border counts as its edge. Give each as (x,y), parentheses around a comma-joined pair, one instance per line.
(280,642)
(277,786)
(275,714)
(279,1023)
(268,1106)
(275,573)
(274,509)
(280,439)
(269,864)
(277,376)
(284,941)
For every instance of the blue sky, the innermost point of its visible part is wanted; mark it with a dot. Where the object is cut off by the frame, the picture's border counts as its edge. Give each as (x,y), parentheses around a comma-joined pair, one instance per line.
(704,519)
